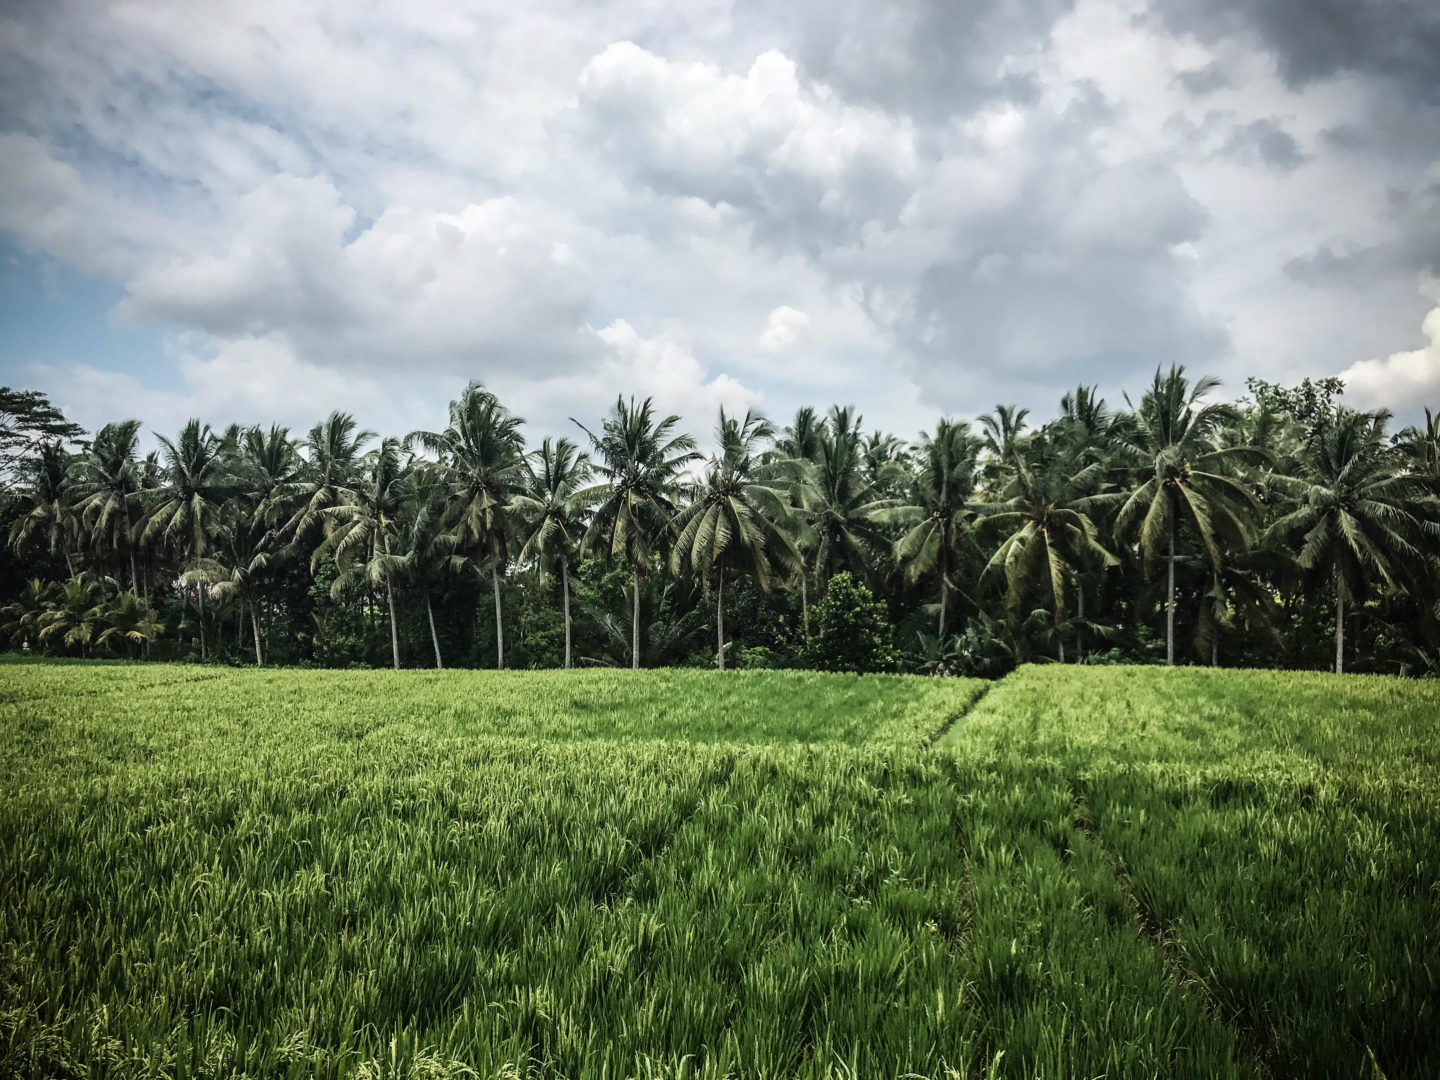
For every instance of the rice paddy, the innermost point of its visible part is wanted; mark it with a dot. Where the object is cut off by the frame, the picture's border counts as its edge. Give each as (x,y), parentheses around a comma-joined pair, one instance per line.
(1081,872)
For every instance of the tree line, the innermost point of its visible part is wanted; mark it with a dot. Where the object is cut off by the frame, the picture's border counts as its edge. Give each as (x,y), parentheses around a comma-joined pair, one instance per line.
(1182,528)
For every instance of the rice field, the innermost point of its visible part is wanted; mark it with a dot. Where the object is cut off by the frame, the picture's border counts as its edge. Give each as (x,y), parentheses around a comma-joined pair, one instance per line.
(1079,873)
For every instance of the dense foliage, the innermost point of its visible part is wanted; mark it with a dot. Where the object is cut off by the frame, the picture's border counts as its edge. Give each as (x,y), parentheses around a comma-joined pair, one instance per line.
(1283,530)
(1122,872)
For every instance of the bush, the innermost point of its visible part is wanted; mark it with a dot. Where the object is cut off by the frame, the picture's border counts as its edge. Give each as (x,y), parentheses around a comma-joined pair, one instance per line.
(852,631)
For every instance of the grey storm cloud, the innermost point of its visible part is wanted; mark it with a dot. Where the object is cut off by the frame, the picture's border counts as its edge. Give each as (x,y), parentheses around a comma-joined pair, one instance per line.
(1266,141)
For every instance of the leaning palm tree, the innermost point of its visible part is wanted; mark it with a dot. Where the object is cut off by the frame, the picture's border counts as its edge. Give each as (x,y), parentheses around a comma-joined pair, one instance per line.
(936,516)
(734,520)
(109,493)
(52,516)
(639,460)
(1364,518)
(361,532)
(552,514)
(482,454)
(1169,447)
(194,487)
(1044,516)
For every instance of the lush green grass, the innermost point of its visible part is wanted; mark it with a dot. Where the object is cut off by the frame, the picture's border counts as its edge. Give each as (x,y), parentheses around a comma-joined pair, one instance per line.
(758,874)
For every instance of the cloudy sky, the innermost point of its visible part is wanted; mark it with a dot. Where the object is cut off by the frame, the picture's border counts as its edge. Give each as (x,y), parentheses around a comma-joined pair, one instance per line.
(261,211)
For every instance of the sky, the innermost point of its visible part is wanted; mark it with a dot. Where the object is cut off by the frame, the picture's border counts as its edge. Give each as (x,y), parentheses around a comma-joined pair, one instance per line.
(259,212)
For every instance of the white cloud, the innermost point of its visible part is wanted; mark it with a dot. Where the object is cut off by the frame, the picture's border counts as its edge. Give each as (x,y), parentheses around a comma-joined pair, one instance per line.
(784,328)
(1403,381)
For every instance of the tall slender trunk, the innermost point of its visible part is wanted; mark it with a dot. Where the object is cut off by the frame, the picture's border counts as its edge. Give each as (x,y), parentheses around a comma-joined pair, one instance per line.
(434,637)
(565,599)
(1079,616)
(69,563)
(1215,648)
(240,623)
(499,621)
(804,604)
(1339,632)
(200,603)
(255,628)
(1170,591)
(720,623)
(944,595)
(635,624)
(394,630)
(134,577)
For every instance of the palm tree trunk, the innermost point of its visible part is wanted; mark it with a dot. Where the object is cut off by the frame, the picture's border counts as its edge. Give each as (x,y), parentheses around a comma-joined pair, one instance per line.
(720,623)
(1170,591)
(1215,648)
(134,577)
(394,630)
(69,564)
(944,593)
(499,622)
(255,629)
(1079,615)
(635,625)
(565,599)
(804,604)
(1339,632)
(434,638)
(200,602)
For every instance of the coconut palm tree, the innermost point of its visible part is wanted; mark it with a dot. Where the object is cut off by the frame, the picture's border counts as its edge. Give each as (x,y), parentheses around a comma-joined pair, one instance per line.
(639,460)
(1421,444)
(483,455)
(841,502)
(332,453)
(129,621)
(77,616)
(194,486)
(1362,515)
(268,467)
(1044,517)
(936,516)
(238,569)
(109,493)
(1001,432)
(1169,447)
(25,615)
(427,550)
(552,514)
(52,517)
(734,519)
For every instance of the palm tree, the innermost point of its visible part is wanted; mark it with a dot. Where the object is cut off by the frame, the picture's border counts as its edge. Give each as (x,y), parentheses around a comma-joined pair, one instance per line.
(426,551)
(1045,515)
(552,513)
(483,454)
(109,492)
(841,502)
(1169,445)
(801,440)
(937,540)
(1421,444)
(25,615)
(238,573)
(361,532)
(639,460)
(52,516)
(268,467)
(129,621)
(332,464)
(194,488)
(78,615)
(1362,516)
(1001,432)
(733,519)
